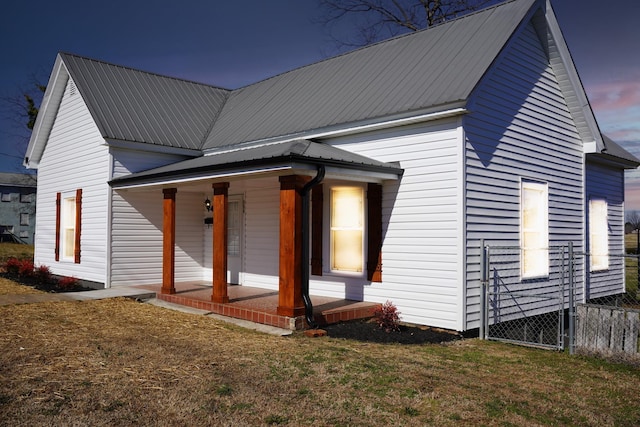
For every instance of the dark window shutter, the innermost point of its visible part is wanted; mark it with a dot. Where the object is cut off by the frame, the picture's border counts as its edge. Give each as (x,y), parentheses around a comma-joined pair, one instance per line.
(76,250)
(316,229)
(57,245)
(374,232)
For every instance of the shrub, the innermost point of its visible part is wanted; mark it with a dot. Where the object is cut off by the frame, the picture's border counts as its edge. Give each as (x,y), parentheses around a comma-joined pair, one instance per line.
(67,283)
(42,274)
(25,268)
(388,317)
(12,265)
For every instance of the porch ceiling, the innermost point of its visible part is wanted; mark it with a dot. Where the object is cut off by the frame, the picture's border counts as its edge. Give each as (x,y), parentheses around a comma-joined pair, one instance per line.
(298,155)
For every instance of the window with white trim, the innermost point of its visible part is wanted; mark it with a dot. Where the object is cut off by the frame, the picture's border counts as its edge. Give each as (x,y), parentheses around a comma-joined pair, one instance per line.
(534,229)
(68,227)
(347,229)
(598,235)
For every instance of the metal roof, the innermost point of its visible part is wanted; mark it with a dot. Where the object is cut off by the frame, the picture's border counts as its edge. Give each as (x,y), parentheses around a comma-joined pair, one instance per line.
(614,153)
(133,105)
(434,67)
(284,153)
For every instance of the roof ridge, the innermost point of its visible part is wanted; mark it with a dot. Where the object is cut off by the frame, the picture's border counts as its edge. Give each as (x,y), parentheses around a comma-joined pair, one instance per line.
(151,73)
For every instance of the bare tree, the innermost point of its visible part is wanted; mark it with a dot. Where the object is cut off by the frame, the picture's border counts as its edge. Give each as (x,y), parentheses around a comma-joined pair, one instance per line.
(19,109)
(355,23)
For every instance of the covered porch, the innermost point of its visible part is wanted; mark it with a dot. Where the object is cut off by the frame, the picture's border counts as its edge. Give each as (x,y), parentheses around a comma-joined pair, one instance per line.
(260,305)
(280,239)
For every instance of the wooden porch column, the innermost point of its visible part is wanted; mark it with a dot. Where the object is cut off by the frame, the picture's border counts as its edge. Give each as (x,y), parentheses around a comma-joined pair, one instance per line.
(290,290)
(169,241)
(220,207)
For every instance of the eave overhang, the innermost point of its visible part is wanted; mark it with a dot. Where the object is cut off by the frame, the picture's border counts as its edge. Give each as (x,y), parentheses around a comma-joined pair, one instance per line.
(300,156)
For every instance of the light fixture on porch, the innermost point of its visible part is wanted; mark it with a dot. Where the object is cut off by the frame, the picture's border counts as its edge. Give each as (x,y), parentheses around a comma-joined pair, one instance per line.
(207,205)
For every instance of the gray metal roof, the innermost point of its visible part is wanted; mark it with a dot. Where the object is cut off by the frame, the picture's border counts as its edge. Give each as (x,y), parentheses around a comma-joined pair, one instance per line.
(284,153)
(434,67)
(133,105)
(18,179)
(614,153)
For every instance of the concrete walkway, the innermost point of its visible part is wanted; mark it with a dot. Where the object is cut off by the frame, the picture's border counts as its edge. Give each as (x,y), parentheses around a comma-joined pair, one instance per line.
(119,291)
(138,293)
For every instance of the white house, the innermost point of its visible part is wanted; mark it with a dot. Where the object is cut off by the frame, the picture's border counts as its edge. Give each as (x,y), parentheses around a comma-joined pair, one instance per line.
(419,148)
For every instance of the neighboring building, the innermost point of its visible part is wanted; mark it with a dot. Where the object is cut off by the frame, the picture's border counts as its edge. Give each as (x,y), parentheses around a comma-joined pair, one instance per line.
(17,207)
(425,146)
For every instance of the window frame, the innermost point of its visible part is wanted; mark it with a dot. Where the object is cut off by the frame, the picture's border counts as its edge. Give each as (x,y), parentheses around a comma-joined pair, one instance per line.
(61,248)
(539,226)
(67,224)
(598,232)
(329,251)
(25,218)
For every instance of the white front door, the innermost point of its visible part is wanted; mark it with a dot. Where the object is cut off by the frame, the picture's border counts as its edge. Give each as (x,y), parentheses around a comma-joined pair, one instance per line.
(235,221)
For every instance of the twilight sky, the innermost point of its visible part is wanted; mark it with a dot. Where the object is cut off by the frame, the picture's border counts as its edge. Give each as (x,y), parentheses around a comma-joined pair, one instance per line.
(234,43)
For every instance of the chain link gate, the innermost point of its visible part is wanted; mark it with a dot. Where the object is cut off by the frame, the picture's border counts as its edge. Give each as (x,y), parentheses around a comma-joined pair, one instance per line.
(527,311)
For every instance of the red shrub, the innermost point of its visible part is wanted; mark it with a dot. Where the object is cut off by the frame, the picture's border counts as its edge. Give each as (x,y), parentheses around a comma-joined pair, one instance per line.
(42,274)
(67,283)
(388,317)
(12,265)
(25,269)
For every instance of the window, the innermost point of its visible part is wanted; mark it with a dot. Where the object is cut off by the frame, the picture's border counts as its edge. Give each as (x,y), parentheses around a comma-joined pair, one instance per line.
(68,221)
(6,197)
(598,235)
(534,229)
(24,219)
(347,226)
(24,233)
(25,198)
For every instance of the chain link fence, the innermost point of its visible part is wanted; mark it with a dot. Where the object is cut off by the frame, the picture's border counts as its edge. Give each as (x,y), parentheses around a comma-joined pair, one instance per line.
(574,306)
(526,311)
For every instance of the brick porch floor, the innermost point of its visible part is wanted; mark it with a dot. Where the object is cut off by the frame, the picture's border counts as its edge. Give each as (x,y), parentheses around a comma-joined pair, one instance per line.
(259,305)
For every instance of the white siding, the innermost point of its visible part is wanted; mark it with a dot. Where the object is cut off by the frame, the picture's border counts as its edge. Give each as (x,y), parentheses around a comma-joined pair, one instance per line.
(262,233)
(519,127)
(608,184)
(137,237)
(421,253)
(75,157)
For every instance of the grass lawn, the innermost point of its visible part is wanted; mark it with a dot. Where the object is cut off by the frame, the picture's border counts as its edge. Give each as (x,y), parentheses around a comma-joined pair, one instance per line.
(120,362)
(8,250)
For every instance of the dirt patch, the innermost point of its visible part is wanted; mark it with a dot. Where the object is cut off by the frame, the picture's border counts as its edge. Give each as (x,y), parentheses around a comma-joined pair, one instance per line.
(369,331)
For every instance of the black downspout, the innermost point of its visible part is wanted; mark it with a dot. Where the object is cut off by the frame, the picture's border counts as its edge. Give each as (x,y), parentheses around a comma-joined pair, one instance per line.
(308,306)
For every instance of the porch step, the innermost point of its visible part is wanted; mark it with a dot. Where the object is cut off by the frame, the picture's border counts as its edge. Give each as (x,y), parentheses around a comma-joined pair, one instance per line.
(262,310)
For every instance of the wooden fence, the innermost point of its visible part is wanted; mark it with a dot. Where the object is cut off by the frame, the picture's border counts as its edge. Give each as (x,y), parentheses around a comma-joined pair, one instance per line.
(605,329)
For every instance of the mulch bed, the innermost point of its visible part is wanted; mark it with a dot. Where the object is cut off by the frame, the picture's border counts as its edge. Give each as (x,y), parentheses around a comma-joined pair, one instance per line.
(51,286)
(369,331)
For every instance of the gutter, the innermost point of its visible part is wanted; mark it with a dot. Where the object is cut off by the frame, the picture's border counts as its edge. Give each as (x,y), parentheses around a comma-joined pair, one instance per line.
(308,306)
